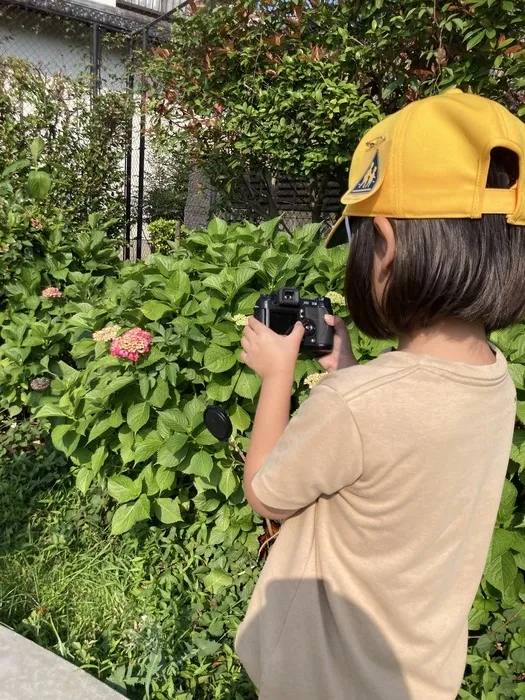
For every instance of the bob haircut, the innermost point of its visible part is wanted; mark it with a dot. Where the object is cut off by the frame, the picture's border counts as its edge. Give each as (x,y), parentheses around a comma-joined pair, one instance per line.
(468,269)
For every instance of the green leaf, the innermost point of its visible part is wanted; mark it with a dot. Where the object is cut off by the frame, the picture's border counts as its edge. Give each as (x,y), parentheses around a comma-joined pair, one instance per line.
(239,418)
(172,419)
(138,415)
(64,438)
(84,478)
(517,372)
(167,455)
(508,501)
(99,428)
(217,579)
(501,571)
(248,384)
(154,310)
(36,147)
(160,394)
(151,443)
(116,385)
(228,483)
(38,184)
(502,541)
(167,510)
(200,464)
(128,515)
(164,478)
(218,359)
(98,459)
(220,388)
(123,489)
(50,410)
(194,411)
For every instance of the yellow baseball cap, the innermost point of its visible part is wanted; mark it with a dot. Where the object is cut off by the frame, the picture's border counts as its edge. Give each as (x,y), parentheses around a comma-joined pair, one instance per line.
(430,160)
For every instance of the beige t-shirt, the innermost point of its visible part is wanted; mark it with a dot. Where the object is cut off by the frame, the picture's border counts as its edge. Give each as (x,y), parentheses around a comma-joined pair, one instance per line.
(398,466)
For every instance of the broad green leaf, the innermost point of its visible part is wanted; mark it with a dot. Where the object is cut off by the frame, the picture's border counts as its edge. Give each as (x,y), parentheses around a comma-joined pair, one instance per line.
(239,418)
(229,482)
(167,510)
(84,478)
(501,571)
(50,410)
(164,478)
(116,385)
(172,419)
(218,359)
(167,454)
(38,184)
(151,443)
(160,394)
(154,310)
(248,384)
(222,520)
(217,579)
(220,388)
(98,429)
(36,147)
(122,488)
(200,464)
(502,541)
(138,415)
(508,501)
(128,515)
(194,411)
(64,438)
(517,372)
(98,459)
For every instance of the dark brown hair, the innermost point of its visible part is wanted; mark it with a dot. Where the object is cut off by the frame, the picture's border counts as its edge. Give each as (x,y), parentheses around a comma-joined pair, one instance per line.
(469,269)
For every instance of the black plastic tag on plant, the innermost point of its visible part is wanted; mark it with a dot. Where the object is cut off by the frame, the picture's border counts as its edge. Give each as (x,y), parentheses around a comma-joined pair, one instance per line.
(218,423)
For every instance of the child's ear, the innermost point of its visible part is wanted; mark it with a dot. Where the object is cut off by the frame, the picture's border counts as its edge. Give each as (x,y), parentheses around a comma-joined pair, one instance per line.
(385,242)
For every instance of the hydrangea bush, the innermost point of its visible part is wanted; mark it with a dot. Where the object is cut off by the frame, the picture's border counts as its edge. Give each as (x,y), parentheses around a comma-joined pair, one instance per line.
(118,362)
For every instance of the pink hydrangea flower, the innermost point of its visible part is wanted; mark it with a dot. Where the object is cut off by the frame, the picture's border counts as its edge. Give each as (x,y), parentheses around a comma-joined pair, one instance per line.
(51,293)
(39,383)
(107,333)
(131,344)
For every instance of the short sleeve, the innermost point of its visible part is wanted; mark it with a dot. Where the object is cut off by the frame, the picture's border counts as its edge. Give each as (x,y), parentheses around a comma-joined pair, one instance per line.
(319,453)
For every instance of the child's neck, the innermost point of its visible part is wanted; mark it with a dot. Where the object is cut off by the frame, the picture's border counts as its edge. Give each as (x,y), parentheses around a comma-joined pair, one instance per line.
(450,339)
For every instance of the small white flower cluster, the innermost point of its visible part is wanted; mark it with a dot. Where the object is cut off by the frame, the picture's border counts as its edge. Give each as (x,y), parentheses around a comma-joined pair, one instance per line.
(314,379)
(240,320)
(336,298)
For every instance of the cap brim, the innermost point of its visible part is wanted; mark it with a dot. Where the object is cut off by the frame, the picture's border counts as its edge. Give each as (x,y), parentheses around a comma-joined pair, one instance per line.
(338,234)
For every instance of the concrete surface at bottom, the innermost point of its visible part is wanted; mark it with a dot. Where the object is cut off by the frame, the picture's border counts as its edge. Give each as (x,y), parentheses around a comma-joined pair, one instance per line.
(28,672)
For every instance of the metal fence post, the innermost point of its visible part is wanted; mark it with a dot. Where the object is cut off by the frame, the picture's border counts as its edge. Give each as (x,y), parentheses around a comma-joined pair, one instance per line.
(95,58)
(142,155)
(128,166)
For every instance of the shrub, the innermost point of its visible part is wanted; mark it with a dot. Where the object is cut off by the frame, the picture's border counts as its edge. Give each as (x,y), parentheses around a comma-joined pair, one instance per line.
(164,235)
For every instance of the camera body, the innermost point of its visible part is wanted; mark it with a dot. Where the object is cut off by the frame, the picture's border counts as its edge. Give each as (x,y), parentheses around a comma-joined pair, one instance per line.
(281,309)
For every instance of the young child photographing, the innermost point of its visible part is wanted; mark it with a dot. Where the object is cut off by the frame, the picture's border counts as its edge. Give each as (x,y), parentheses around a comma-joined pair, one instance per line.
(389,477)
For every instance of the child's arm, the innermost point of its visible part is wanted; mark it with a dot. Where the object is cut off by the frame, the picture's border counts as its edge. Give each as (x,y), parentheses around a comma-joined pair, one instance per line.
(273,357)
(271,419)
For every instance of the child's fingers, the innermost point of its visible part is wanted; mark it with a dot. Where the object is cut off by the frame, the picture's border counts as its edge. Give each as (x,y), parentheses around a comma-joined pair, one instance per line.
(245,343)
(336,322)
(244,357)
(256,326)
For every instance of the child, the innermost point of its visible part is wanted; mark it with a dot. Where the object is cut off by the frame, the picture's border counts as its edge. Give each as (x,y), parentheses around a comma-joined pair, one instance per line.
(390,475)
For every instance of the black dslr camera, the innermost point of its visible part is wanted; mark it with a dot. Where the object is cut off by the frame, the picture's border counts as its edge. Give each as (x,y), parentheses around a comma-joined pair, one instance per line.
(281,310)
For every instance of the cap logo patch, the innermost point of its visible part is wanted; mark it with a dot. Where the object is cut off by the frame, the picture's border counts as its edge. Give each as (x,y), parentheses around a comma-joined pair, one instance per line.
(369,179)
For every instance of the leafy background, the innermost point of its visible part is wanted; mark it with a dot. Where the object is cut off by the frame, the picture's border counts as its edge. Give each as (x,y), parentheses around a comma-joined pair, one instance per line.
(127,544)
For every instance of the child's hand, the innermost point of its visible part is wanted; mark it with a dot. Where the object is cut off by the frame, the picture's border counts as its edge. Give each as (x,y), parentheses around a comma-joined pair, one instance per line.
(269,353)
(342,355)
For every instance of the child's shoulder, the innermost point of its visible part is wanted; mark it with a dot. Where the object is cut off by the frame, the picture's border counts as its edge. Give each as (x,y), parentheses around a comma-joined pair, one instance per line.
(387,368)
